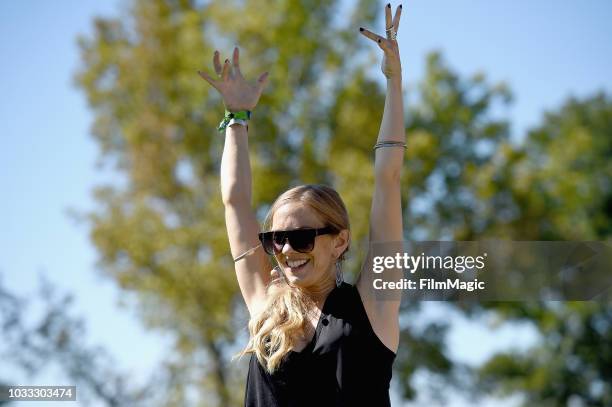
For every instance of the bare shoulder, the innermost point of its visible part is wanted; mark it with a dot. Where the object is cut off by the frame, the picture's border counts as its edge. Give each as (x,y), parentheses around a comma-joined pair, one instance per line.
(383,315)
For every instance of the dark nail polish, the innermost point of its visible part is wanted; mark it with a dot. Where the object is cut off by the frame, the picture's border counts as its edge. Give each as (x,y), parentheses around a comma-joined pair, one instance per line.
(388,5)
(379,40)
(400,6)
(360,28)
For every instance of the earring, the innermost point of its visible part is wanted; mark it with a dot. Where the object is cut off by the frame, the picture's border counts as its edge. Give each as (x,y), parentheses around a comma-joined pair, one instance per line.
(339,276)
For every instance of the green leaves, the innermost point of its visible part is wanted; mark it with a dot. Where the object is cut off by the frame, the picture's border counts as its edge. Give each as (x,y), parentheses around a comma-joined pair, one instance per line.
(161,235)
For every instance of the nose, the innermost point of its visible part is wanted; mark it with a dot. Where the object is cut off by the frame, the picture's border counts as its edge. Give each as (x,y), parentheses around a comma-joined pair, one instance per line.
(287,247)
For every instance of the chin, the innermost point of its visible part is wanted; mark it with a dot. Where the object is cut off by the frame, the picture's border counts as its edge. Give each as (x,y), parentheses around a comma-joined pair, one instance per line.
(297,279)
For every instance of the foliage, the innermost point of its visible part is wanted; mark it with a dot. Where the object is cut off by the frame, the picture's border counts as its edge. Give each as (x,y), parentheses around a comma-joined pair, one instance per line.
(57,338)
(163,238)
(557,186)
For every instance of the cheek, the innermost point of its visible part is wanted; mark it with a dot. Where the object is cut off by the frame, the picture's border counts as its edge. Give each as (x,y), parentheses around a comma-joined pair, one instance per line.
(322,259)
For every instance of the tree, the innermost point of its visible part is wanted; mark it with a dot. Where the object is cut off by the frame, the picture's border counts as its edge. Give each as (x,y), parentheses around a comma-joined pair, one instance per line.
(163,236)
(475,183)
(558,185)
(58,338)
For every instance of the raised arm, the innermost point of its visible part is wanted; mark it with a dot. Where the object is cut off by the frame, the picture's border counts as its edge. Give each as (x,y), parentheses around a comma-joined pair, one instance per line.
(386,213)
(253,269)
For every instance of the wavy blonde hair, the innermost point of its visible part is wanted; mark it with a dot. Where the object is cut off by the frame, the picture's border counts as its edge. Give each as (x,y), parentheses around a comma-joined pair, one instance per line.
(283,319)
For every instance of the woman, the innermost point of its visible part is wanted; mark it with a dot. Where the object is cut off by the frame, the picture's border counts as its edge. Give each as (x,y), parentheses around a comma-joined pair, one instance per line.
(315,340)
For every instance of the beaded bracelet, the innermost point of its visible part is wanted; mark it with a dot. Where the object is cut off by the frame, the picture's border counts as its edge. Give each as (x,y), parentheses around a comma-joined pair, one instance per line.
(243,255)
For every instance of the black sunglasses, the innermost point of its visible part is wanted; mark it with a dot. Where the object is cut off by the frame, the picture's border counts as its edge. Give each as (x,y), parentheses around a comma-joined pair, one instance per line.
(301,240)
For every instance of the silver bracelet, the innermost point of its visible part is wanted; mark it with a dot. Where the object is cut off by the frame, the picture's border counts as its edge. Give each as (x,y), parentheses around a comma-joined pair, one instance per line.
(243,255)
(389,144)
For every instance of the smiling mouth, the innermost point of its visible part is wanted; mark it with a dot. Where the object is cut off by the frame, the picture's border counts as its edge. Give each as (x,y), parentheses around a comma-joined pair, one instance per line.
(295,265)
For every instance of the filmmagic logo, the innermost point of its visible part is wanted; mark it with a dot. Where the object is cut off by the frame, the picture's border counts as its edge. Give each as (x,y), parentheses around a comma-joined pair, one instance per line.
(429,284)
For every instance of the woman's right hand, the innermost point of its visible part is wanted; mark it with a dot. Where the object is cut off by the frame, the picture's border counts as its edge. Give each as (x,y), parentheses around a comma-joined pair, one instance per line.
(237,93)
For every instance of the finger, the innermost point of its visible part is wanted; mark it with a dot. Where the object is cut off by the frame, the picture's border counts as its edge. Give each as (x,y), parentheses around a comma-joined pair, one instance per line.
(388,16)
(208,79)
(236,62)
(396,19)
(374,37)
(226,70)
(262,82)
(384,44)
(217,63)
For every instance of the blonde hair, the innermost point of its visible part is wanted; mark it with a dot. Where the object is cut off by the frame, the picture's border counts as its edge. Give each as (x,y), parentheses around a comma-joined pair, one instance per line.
(283,319)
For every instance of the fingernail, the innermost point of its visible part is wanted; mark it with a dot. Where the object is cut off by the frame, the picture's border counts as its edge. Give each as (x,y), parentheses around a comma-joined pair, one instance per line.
(226,61)
(388,5)
(360,28)
(379,40)
(400,6)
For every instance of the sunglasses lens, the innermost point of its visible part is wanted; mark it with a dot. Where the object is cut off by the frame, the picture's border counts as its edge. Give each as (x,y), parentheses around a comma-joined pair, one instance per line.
(302,240)
(267,242)
(278,239)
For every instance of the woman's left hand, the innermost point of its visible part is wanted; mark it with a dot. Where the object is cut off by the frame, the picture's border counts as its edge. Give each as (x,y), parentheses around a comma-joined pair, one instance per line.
(391,66)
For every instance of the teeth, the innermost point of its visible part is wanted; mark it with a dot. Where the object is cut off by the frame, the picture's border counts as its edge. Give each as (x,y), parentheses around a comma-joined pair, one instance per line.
(296,263)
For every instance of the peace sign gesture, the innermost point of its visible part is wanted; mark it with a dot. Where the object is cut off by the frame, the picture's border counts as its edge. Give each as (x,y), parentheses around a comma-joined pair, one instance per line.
(237,93)
(391,66)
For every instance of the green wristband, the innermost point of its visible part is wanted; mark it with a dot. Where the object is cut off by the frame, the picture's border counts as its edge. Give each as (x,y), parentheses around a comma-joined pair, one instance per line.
(241,115)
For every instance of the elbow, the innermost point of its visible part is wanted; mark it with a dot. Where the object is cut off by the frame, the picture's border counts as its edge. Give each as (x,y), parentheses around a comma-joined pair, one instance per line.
(233,197)
(235,200)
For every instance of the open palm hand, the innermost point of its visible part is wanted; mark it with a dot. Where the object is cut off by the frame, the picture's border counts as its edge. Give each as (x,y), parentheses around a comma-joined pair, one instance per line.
(237,93)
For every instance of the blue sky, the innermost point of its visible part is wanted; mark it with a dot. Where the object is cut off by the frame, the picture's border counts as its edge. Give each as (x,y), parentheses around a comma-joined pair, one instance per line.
(544,50)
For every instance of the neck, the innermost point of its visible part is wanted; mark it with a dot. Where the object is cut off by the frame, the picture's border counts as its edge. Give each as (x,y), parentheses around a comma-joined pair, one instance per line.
(319,291)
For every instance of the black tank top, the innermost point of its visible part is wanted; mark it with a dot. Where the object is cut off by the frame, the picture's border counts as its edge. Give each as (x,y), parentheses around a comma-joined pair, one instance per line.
(345,364)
